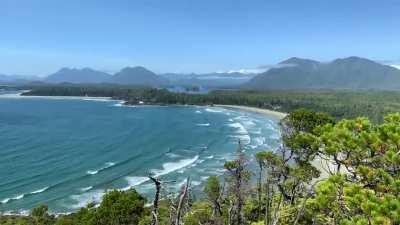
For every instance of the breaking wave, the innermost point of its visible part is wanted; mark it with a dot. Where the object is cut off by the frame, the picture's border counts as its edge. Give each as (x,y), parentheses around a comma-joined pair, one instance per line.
(134,181)
(214,110)
(21,196)
(203,124)
(107,165)
(173,166)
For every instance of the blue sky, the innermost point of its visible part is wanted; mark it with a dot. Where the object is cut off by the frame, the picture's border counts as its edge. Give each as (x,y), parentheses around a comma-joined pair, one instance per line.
(37,37)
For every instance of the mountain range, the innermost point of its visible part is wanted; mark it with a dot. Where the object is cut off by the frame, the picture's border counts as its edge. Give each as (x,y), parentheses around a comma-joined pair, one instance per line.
(294,73)
(347,73)
(138,76)
(85,75)
(128,76)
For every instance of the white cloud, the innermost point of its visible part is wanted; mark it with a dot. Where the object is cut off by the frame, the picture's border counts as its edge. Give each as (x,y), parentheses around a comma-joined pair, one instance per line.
(247,71)
(259,69)
(396,66)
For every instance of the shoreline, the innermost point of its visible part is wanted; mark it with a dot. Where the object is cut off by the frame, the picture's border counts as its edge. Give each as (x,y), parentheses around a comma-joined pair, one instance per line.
(266,112)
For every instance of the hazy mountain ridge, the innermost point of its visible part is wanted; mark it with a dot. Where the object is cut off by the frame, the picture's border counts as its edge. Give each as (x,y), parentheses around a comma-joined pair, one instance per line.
(137,76)
(346,73)
(294,73)
(85,75)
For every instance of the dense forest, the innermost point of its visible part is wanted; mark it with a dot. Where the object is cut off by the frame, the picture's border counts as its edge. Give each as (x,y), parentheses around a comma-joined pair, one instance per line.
(339,104)
(326,172)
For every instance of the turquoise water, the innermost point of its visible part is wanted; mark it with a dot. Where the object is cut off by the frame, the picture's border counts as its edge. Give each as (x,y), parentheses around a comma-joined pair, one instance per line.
(65,152)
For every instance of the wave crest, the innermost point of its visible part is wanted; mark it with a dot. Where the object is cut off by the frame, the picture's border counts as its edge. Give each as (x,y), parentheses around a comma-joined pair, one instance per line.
(173,166)
(203,124)
(106,166)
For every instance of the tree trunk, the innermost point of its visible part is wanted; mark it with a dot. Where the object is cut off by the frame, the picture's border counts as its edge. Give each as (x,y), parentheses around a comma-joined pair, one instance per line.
(154,220)
(267,204)
(181,199)
(239,204)
(259,189)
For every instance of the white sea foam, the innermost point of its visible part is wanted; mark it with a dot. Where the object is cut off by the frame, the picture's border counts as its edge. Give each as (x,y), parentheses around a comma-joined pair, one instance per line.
(214,110)
(82,200)
(275,136)
(195,183)
(257,131)
(39,190)
(172,155)
(192,182)
(97,99)
(173,166)
(20,212)
(203,124)
(210,157)
(248,123)
(18,95)
(259,140)
(92,172)
(119,104)
(240,128)
(107,165)
(86,188)
(20,196)
(6,200)
(134,181)
(198,112)
(203,178)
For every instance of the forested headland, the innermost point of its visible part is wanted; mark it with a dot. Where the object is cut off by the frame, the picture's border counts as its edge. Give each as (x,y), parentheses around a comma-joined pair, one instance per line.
(326,172)
(338,103)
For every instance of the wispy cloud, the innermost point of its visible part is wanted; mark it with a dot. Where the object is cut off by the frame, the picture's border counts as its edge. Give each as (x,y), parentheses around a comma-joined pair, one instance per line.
(397,66)
(245,71)
(392,63)
(258,69)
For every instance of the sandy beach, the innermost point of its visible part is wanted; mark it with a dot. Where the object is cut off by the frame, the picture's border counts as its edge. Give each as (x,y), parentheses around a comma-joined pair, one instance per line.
(267,112)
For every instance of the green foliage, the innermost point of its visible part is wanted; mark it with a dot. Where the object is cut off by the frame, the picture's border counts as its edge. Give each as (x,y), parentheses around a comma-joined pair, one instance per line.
(163,211)
(120,207)
(200,213)
(212,188)
(303,120)
(41,216)
(364,188)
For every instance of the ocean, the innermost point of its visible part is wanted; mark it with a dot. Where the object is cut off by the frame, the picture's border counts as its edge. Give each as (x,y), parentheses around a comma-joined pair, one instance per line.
(66,152)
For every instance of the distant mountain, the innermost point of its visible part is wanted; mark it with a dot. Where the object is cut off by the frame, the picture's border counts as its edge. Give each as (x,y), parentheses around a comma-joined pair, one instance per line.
(17,79)
(138,76)
(347,73)
(208,79)
(85,75)
(4,77)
